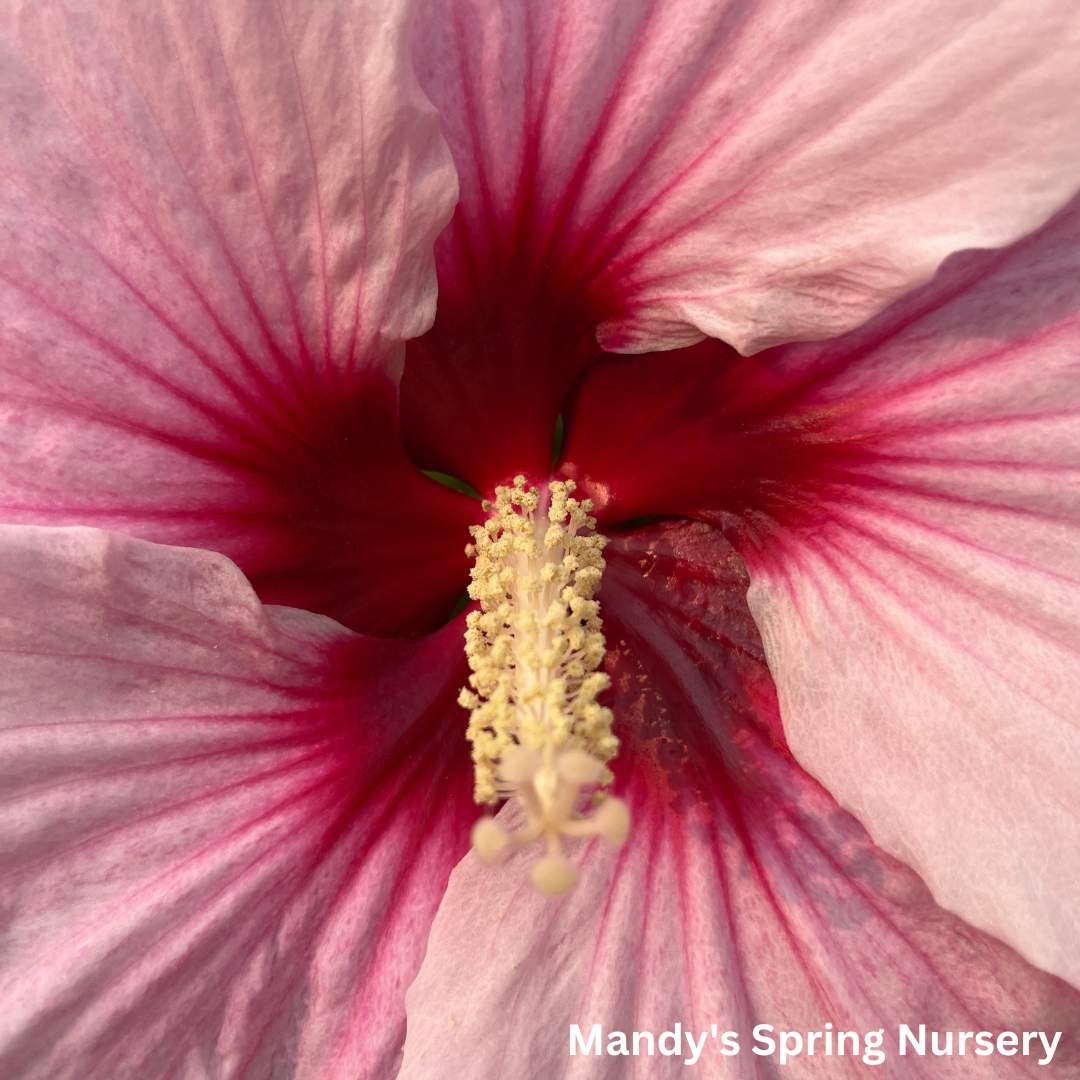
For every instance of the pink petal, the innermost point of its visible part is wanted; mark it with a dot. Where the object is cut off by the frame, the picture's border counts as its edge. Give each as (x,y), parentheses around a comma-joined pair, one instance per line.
(926,660)
(922,625)
(216,232)
(754,170)
(745,894)
(905,498)
(227,827)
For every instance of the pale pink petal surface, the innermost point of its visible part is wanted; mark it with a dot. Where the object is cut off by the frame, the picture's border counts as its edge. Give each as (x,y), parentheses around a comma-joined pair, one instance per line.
(755,171)
(906,500)
(227,826)
(215,232)
(924,628)
(745,895)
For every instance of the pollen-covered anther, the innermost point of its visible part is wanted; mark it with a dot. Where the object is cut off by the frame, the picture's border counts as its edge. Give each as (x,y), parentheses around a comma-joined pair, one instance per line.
(537,731)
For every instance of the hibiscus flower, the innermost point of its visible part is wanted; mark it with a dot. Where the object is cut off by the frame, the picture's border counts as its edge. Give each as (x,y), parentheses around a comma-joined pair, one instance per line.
(236,779)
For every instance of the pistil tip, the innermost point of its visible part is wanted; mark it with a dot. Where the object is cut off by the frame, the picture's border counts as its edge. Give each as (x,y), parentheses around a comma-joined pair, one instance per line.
(612,819)
(488,840)
(553,875)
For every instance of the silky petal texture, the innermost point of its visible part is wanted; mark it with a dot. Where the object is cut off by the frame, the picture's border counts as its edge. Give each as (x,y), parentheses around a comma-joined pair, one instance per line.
(758,171)
(216,232)
(907,502)
(227,827)
(745,895)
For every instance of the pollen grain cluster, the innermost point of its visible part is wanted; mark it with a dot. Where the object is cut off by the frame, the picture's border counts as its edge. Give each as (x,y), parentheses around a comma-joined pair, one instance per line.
(534,648)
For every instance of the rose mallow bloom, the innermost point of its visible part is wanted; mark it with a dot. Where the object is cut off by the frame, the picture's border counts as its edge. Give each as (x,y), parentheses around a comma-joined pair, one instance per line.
(841,589)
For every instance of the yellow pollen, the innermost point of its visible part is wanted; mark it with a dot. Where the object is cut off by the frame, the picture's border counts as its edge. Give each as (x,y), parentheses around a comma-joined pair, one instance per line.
(537,732)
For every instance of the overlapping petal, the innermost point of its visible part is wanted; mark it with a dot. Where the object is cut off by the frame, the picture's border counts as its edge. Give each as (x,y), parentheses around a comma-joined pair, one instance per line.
(745,894)
(227,827)
(755,171)
(216,232)
(906,499)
